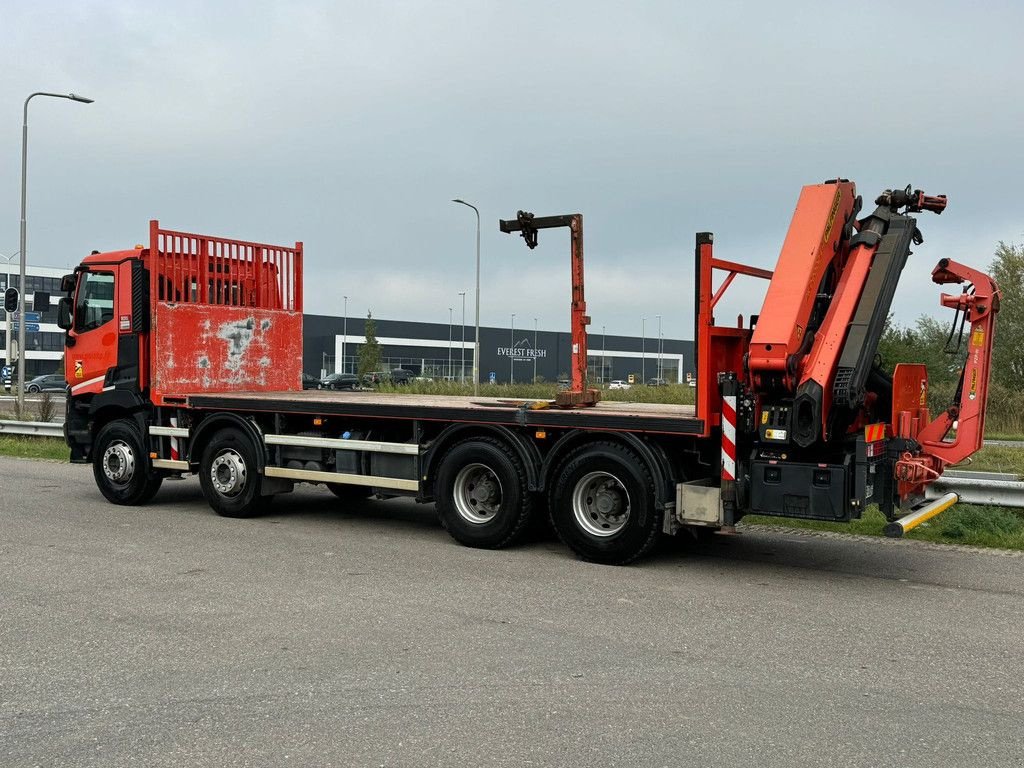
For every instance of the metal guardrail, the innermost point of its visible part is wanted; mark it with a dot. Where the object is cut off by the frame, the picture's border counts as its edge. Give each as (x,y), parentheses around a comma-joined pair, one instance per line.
(998,489)
(38,428)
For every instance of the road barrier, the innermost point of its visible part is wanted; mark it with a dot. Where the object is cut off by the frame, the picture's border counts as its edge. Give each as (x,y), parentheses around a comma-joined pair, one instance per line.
(38,428)
(996,488)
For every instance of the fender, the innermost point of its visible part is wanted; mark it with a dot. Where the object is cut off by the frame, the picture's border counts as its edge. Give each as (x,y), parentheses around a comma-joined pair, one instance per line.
(84,415)
(528,453)
(651,453)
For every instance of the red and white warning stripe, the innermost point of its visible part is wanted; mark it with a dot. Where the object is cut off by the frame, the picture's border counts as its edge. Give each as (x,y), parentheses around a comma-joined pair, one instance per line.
(729,437)
(174,441)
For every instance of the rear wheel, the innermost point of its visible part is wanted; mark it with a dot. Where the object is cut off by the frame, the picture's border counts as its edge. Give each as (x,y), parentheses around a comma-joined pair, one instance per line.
(602,504)
(483,497)
(230,477)
(121,465)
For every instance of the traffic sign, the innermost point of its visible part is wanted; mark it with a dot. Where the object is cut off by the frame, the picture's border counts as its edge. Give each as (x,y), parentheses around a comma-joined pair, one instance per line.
(29,327)
(33,317)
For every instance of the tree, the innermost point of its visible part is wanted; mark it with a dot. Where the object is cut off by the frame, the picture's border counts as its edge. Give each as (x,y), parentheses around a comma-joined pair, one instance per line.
(1008,354)
(369,351)
(924,343)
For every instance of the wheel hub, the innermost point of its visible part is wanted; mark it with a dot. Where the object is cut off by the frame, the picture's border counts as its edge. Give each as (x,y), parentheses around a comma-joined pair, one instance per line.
(228,473)
(477,494)
(600,504)
(119,462)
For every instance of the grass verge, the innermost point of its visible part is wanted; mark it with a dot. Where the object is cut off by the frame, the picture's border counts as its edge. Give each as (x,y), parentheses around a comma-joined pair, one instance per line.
(972,524)
(996,458)
(28,447)
(672,393)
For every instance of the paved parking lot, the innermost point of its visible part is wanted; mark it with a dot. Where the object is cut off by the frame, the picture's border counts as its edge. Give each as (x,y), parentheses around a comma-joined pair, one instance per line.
(323,635)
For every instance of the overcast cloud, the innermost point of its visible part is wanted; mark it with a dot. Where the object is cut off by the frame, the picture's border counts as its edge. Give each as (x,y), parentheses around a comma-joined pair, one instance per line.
(350,126)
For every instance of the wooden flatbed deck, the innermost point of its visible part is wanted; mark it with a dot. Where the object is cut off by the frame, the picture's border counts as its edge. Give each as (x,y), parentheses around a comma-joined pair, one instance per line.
(662,418)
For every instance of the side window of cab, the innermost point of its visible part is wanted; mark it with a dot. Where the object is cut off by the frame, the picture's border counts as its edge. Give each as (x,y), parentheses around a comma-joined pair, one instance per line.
(95,303)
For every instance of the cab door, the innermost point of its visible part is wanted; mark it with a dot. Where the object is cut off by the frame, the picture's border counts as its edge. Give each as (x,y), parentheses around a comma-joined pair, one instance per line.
(92,340)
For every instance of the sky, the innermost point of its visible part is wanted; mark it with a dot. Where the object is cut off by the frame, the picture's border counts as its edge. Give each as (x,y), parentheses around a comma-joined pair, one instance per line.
(351,125)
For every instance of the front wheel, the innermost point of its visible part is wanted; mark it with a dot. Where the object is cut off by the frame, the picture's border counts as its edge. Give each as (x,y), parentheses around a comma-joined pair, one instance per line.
(121,465)
(602,504)
(33,388)
(483,496)
(230,477)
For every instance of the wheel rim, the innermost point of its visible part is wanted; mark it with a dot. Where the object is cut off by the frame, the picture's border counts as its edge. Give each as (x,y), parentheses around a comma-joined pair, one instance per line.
(600,504)
(228,473)
(477,494)
(119,462)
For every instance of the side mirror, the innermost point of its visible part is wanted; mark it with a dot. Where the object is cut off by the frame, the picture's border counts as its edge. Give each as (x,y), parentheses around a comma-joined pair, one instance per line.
(67,283)
(64,314)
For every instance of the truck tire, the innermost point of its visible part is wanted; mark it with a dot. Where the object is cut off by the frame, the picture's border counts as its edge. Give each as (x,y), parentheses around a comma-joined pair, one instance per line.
(121,465)
(483,498)
(602,504)
(229,475)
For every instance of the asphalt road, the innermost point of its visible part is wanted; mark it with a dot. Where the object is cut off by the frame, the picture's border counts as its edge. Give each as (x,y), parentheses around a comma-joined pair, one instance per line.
(363,636)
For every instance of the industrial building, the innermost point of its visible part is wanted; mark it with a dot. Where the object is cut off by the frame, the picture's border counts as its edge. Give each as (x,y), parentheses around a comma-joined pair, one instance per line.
(437,350)
(44,341)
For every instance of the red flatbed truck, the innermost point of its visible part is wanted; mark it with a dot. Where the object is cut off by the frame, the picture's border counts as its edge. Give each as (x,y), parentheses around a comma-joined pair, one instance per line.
(185,357)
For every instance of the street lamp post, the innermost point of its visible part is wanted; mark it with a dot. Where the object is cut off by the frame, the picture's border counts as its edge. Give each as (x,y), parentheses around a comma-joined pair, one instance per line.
(643,350)
(462,365)
(450,343)
(535,350)
(659,349)
(512,353)
(344,337)
(24,262)
(476,345)
(604,348)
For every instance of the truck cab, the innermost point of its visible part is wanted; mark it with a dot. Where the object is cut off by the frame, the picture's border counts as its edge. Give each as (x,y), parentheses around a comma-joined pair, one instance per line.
(146,327)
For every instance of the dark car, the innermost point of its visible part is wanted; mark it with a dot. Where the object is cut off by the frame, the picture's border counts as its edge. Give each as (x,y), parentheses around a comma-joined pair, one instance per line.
(309,382)
(656,383)
(339,381)
(402,376)
(51,382)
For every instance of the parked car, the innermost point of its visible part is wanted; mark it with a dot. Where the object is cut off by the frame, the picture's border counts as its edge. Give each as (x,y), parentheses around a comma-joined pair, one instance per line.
(51,382)
(309,381)
(402,376)
(656,383)
(339,381)
(618,384)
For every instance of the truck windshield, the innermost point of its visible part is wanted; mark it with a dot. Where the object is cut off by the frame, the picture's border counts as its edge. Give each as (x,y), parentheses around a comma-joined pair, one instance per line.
(95,305)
